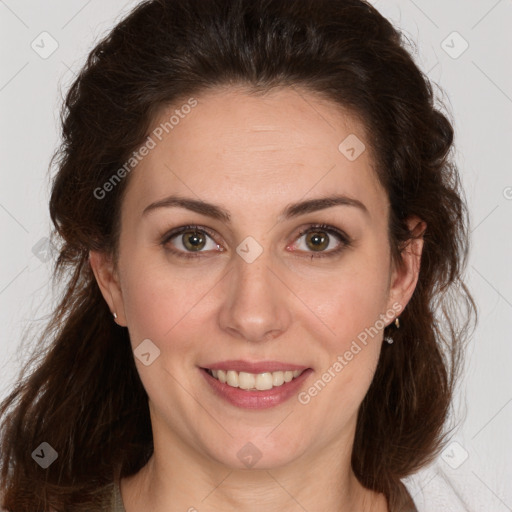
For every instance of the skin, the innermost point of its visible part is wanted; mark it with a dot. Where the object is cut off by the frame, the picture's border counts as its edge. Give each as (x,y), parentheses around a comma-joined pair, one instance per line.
(254,155)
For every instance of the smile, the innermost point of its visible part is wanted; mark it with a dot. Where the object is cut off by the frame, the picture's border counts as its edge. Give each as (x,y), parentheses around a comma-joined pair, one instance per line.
(254,381)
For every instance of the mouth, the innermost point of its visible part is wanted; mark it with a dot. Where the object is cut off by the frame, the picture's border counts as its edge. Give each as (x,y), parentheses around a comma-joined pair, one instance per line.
(254,381)
(249,390)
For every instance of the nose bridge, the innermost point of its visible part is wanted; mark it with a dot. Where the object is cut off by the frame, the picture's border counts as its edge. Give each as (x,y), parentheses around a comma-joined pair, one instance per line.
(255,306)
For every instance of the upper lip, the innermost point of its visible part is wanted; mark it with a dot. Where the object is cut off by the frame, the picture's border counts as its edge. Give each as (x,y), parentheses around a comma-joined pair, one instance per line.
(254,367)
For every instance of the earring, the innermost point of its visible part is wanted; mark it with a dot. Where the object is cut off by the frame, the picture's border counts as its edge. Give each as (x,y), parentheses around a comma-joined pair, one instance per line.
(389,339)
(114,314)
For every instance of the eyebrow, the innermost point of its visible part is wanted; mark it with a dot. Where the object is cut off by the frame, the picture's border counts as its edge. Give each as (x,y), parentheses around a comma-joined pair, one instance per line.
(291,211)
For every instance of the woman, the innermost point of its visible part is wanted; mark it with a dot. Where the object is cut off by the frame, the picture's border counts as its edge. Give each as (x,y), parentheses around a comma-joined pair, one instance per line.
(263,237)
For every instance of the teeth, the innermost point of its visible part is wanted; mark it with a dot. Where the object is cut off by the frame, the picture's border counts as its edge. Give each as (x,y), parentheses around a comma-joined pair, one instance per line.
(260,381)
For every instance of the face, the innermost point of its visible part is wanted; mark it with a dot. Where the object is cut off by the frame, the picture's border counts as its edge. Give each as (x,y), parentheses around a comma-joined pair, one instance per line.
(265,273)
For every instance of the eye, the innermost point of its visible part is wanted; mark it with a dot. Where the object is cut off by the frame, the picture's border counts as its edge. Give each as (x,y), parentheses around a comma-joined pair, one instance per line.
(318,238)
(189,239)
(192,241)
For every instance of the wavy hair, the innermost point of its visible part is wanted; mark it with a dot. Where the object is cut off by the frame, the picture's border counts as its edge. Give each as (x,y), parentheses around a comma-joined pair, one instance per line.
(80,391)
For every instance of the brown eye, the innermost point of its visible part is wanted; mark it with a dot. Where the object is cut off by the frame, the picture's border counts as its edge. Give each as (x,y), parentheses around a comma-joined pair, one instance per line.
(323,240)
(317,240)
(187,240)
(193,240)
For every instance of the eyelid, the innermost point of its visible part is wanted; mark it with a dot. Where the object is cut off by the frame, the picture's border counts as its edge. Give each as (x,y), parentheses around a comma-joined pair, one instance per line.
(345,240)
(183,229)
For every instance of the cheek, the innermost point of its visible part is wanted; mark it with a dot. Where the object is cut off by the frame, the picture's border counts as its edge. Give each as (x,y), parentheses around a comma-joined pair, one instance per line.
(160,295)
(157,299)
(349,301)
(351,354)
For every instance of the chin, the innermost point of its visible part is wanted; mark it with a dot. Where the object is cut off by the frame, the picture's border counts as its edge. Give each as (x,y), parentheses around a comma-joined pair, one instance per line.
(258,452)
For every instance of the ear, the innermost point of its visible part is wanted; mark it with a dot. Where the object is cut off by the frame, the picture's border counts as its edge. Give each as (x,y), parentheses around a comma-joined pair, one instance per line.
(404,277)
(108,282)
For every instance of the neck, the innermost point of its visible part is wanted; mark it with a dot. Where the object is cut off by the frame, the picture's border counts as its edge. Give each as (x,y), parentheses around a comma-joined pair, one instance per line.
(163,486)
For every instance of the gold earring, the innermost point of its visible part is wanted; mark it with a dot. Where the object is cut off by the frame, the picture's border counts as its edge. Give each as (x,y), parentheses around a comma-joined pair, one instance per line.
(389,339)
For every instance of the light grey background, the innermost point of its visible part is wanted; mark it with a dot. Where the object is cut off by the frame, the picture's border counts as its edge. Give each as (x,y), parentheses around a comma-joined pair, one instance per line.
(475,472)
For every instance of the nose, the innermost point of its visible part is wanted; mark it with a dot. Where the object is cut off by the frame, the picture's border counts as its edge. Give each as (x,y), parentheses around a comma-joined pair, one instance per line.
(256,301)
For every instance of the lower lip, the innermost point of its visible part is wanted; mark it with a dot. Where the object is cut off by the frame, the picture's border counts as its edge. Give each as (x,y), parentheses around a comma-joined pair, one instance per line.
(256,399)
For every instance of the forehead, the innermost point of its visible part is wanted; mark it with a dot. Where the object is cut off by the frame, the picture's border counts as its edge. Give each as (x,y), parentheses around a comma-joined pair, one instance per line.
(269,149)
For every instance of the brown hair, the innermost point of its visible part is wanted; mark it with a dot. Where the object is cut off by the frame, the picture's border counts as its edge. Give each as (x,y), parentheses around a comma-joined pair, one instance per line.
(84,396)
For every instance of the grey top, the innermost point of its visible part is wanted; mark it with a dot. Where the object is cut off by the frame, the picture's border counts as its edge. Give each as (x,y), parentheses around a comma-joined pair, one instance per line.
(117,502)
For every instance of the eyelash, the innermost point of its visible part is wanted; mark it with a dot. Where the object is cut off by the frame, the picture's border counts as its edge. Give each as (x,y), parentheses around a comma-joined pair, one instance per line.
(345,239)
